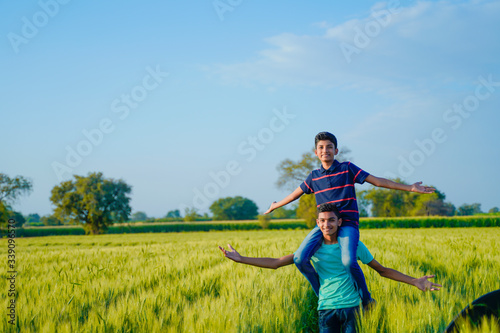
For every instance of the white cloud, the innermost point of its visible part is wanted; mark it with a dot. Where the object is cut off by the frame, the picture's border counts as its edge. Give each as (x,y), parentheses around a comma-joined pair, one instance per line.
(321,25)
(409,48)
(425,58)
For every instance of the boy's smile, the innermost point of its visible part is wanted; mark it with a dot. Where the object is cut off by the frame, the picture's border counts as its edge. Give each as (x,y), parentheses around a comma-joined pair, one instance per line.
(326,151)
(329,225)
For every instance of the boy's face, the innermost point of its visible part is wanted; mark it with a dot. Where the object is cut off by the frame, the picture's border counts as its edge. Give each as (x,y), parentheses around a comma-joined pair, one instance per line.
(329,223)
(326,151)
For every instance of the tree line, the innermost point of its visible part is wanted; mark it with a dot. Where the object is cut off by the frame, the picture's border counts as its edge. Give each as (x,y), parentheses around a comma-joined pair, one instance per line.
(97,202)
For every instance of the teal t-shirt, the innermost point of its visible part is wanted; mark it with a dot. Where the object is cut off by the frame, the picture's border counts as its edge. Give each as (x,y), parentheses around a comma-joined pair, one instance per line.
(336,286)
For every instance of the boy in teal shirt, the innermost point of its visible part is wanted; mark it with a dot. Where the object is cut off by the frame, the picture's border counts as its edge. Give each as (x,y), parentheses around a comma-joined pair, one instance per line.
(334,183)
(339,300)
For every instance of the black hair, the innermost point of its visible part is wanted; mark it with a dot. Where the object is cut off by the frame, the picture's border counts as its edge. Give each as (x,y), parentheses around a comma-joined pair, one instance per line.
(325,136)
(329,207)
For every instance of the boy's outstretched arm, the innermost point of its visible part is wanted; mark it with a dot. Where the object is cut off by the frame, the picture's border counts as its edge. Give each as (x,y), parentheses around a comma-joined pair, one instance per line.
(383,182)
(289,198)
(421,283)
(272,263)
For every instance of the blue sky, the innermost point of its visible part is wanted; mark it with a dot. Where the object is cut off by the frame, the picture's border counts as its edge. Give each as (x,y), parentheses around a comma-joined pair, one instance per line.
(195,100)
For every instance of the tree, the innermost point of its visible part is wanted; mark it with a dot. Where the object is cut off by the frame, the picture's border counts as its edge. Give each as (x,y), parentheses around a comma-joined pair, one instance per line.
(450,209)
(363,203)
(234,208)
(12,188)
(431,204)
(93,201)
(307,210)
(33,218)
(494,210)
(5,212)
(285,213)
(293,173)
(18,217)
(50,220)
(264,221)
(467,209)
(190,214)
(173,214)
(389,203)
(139,216)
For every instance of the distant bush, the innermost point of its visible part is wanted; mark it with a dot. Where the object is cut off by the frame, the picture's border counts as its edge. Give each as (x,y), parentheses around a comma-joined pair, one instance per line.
(205,226)
(365,223)
(284,213)
(431,222)
(50,231)
(33,224)
(264,221)
(126,228)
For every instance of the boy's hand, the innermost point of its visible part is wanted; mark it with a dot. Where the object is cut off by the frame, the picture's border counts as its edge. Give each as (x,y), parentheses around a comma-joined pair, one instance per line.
(424,284)
(233,254)
(417,187)
(271,208)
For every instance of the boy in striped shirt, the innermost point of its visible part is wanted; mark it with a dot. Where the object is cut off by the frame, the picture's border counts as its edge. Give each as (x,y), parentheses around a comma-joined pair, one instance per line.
(334,183)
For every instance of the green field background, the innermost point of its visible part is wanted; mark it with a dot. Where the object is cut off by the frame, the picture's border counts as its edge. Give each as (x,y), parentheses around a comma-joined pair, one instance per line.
(180,282)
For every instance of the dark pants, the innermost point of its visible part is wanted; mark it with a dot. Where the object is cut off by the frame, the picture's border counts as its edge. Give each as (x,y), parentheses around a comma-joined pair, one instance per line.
(338,320)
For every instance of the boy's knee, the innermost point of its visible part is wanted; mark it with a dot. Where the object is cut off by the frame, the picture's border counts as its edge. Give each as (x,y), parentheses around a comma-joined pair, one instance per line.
(347,262)
(299,261)
(296,259)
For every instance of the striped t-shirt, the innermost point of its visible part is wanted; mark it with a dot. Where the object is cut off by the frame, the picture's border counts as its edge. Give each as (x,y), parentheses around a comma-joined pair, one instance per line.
(336,185)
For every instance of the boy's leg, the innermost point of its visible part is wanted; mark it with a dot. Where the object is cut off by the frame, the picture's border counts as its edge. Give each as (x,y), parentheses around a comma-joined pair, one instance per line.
(348,319)
(348,240)
(329,321)
(302,257)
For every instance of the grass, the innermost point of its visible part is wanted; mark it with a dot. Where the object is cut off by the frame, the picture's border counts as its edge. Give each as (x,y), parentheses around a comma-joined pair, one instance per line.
(179,282)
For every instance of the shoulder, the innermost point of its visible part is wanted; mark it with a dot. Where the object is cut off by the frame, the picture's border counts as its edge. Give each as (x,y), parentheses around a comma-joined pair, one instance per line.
(363,253)
(348,165)
(344,164)
(342,167)
(315,173)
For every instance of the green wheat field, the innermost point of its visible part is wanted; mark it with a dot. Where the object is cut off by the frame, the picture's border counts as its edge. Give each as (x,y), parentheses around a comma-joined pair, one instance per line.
(180,282)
